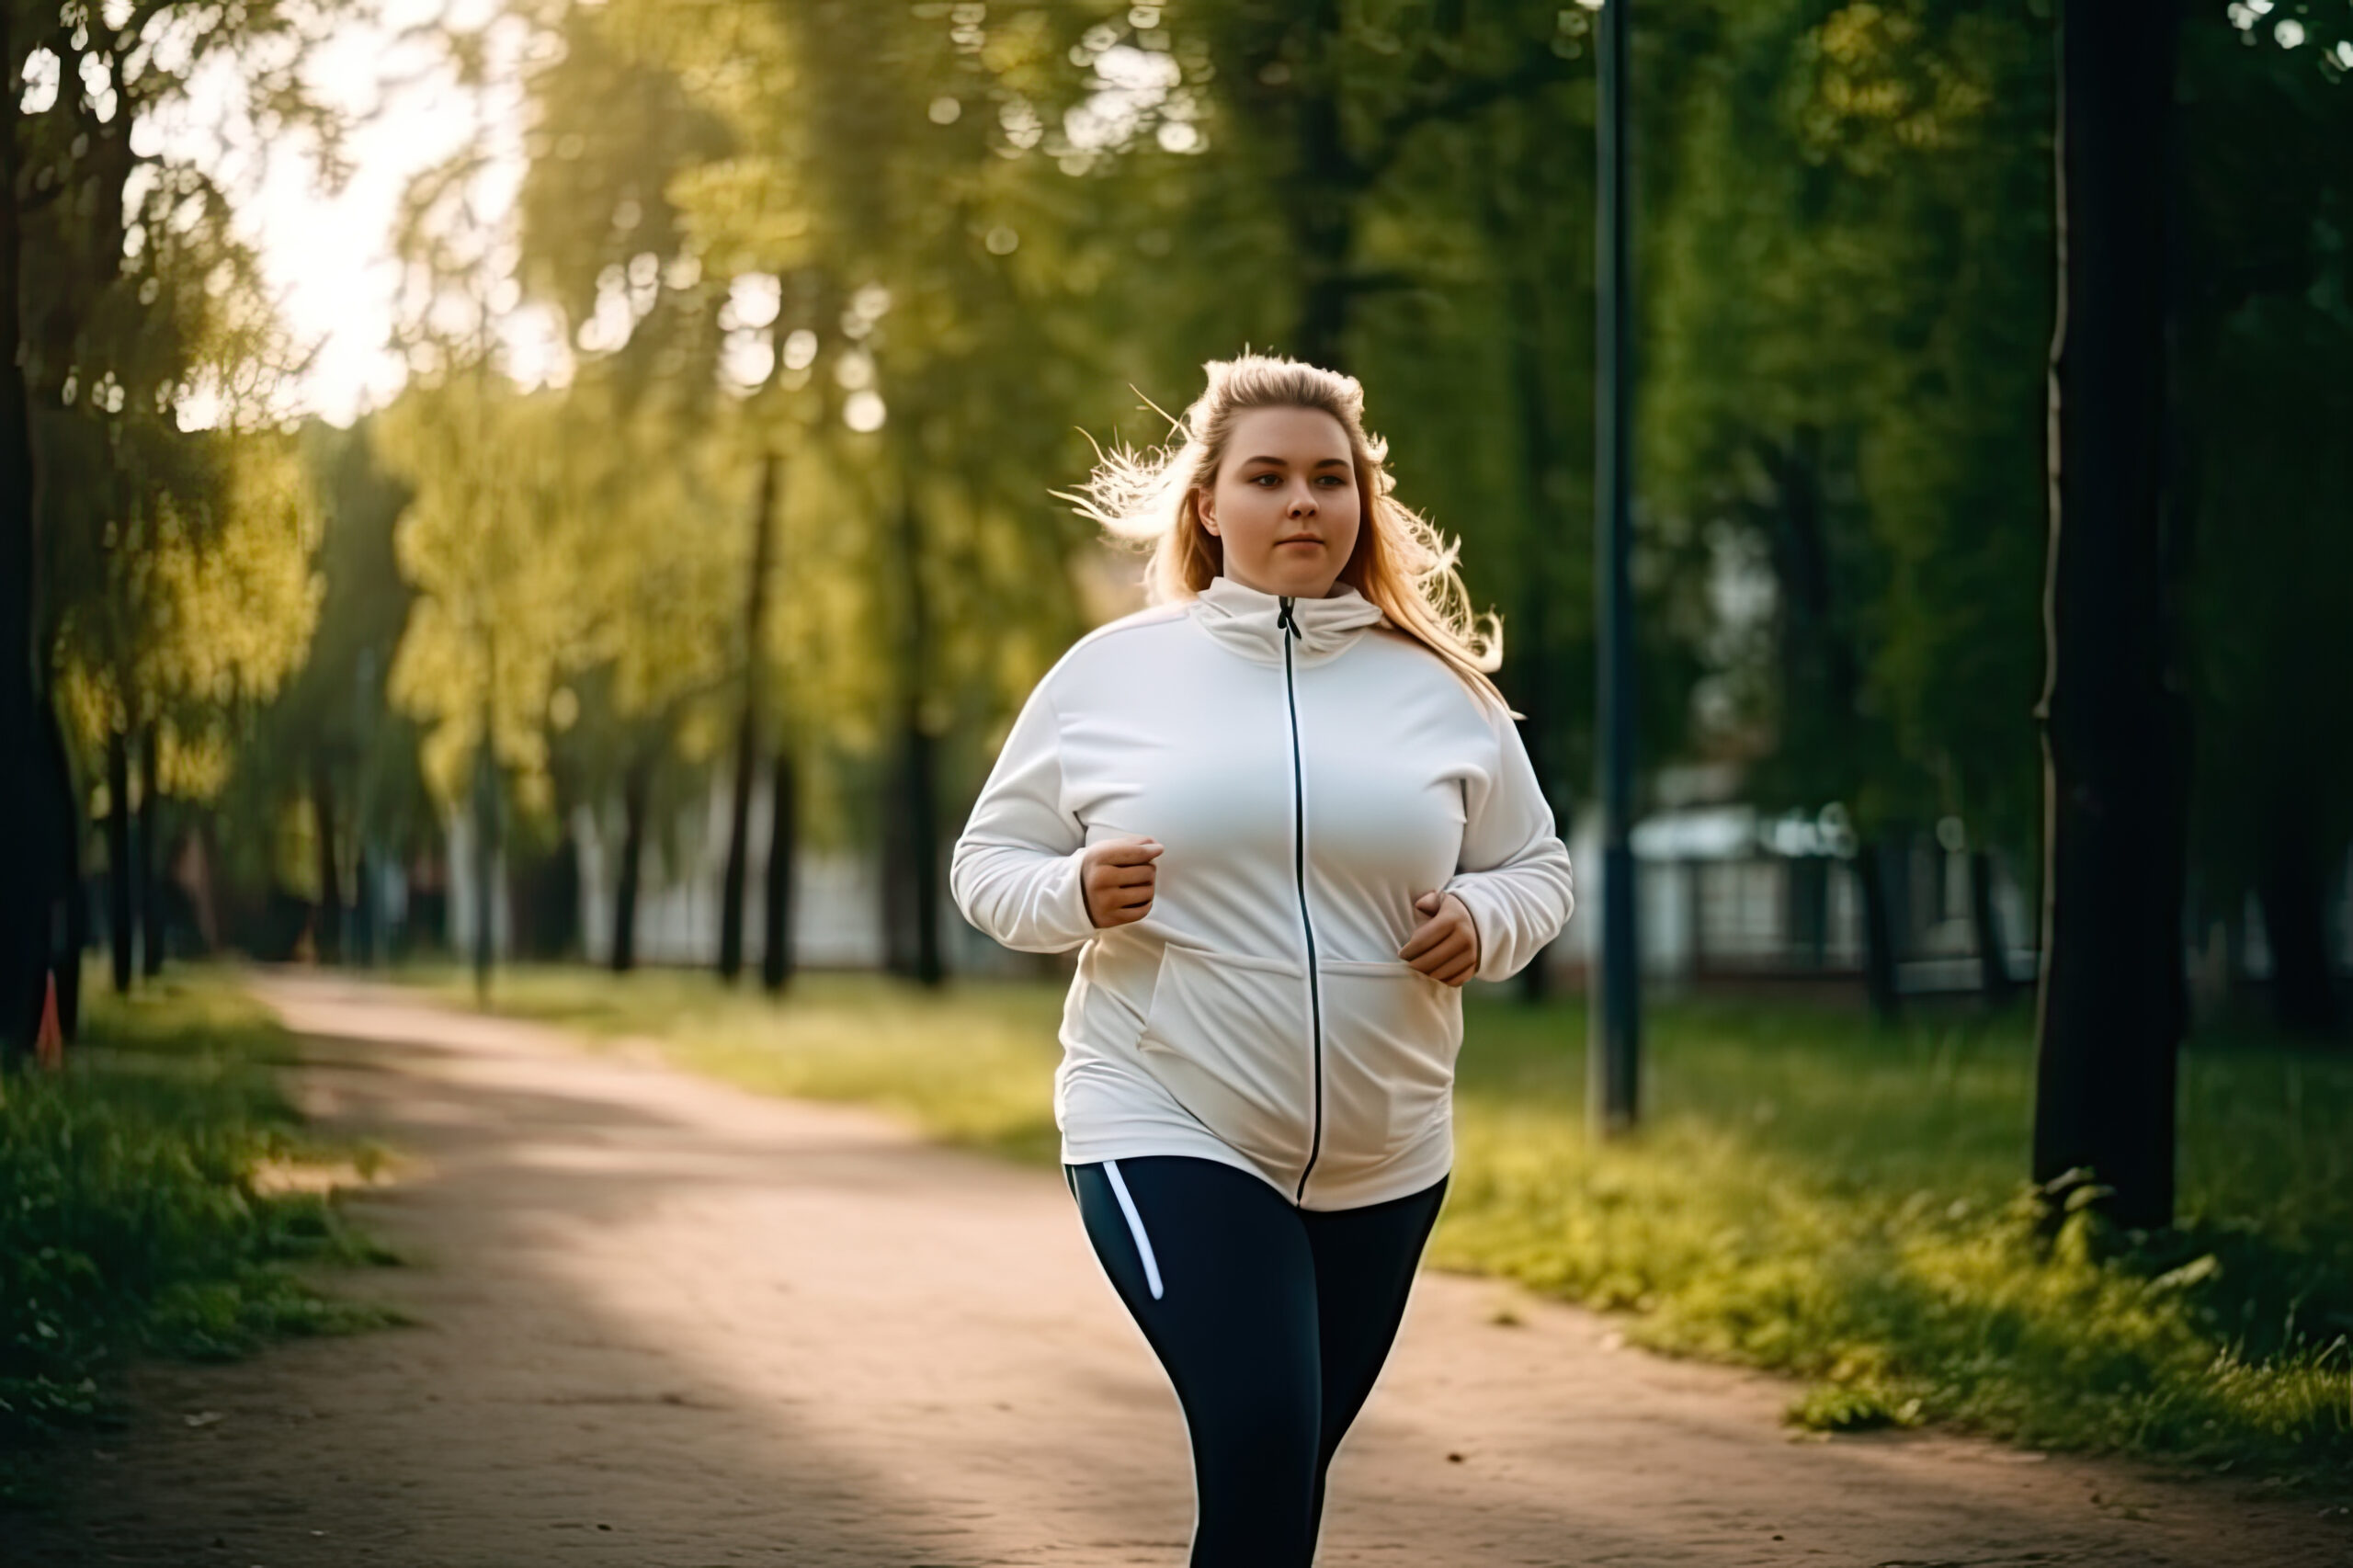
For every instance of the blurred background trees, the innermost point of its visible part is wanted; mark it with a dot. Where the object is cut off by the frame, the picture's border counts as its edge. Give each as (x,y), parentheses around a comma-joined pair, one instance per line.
(153,577)
(706,551)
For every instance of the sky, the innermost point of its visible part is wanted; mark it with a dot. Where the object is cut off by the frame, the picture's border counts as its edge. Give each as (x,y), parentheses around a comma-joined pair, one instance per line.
(328,258)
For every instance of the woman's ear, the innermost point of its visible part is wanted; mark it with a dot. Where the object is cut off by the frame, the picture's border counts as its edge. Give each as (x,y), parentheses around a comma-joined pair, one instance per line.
(1205,508)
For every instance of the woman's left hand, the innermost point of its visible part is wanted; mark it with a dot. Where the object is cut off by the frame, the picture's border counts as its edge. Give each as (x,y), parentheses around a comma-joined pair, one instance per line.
(1446,946)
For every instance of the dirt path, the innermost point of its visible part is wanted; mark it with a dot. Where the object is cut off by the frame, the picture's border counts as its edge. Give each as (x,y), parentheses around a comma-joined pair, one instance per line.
(668,1325)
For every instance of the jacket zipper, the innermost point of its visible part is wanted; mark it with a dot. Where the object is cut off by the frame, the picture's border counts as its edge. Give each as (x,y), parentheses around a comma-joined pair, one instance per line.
(1289,626)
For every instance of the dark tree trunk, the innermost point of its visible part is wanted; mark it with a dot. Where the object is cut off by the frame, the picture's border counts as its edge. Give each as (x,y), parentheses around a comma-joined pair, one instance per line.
(121,915)
(2112,1005)
(748,729)
(1323,196)
(637,787)
(326,937)
(1880,950)
(153,915)
(1818,660)
(917,814)
(898,941)
(1992,951)
(36,794)
(547,908)
(1809,908)
(731,882)
(784,843)
(1821,674)
(2294,894)
(70,906)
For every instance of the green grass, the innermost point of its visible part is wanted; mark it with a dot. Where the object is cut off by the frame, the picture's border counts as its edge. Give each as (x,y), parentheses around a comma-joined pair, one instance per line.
(1818,1197)
(1807,1194)
(975,1066)
(137,1211)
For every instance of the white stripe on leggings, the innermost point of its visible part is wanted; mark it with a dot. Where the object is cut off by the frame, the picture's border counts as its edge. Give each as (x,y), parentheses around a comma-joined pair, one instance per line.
(1135,1227)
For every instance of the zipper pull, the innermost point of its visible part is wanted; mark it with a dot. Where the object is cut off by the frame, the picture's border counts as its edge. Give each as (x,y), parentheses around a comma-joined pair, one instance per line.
(1284,620)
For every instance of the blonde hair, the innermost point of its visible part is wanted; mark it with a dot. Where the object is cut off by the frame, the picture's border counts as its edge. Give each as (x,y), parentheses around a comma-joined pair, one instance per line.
(1400,562)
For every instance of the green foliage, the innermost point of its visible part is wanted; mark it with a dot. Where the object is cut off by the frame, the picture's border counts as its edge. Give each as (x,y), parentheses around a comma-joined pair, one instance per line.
(173,559)
(545,540)
(1810,1194)
(2266,328)
(198,605)
(1852,301)
(1818,1199)
(136,1215)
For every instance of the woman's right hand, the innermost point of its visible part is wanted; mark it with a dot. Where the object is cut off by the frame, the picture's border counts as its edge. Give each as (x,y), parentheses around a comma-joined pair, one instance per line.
(1115,878)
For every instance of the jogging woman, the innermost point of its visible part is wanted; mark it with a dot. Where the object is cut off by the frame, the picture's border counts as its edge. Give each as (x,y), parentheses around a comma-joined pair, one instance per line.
(1287,816)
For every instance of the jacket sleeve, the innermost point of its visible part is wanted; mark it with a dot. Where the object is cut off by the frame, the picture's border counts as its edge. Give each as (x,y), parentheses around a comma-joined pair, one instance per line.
(1514,871)
(1015,870)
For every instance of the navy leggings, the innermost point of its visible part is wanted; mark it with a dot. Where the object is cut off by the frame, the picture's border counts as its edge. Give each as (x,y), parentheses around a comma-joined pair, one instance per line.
(1272,1322)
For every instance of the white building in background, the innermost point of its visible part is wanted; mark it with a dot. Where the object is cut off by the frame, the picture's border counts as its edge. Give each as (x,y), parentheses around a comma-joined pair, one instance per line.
(1719,889)
(1717,903)
(1716,900)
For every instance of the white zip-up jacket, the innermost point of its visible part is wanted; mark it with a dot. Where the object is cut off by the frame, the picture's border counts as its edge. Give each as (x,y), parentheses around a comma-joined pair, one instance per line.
(1309,771)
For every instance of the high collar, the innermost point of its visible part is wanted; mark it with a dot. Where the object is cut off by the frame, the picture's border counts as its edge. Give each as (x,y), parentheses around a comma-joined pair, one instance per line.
(1244,620)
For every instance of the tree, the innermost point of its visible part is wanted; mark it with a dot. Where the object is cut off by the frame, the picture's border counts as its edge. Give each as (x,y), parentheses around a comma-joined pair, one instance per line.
(142,304)
(2114,721)
(1855,410)
(2261,325)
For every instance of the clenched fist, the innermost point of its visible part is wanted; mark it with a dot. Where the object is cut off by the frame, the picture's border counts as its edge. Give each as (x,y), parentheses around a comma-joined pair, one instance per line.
(1444,946)
(1115,878)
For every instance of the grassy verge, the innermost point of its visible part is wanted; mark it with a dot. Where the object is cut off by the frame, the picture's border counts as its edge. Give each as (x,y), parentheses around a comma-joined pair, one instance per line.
(1807,1195)
(147,1204)
(1812,1196)
(974,1066)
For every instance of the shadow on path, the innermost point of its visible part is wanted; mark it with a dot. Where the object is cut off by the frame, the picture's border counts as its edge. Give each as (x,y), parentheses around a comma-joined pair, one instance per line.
(665,1323)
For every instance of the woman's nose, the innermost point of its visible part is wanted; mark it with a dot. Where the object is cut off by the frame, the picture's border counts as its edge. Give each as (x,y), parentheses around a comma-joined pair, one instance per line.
(1302,505)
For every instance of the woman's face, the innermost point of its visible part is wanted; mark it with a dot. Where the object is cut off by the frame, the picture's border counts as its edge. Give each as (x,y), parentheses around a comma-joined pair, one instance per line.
(1285,502)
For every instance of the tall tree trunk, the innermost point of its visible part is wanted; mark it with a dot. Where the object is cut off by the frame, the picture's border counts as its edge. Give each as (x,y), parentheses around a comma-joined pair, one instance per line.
(152,914)
(1809,908)
(122,884)
(1879,940)
(784,844)
(2294,894)
(898,925)
(637,789)
(36,793)
(747,728)
(69,919)
(1321,196)
(2112,1005)
(918,786)
(327,937)
(731,882)
(485,868)
(1821,675)
(1992,951)
(921,813)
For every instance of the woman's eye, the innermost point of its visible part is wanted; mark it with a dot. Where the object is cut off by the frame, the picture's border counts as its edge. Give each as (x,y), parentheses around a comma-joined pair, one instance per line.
(1263,478)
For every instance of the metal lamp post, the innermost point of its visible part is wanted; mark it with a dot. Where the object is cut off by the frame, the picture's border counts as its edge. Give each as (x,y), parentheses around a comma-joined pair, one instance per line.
(1614,1047)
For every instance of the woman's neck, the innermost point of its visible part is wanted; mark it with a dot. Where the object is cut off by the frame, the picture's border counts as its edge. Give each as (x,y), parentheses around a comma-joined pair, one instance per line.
(1330,589)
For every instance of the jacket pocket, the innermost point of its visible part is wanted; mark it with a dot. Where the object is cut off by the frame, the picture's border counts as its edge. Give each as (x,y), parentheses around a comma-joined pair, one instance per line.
(1391,1034)
(1227,1035)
